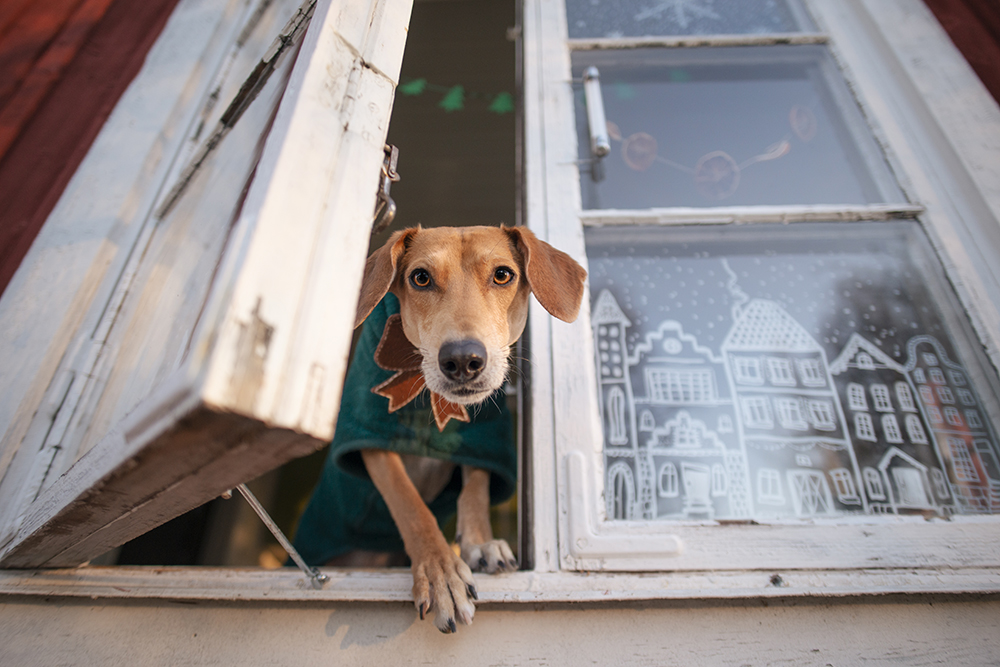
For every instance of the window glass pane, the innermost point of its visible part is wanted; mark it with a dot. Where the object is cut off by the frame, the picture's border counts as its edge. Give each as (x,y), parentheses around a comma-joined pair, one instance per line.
(637,18)
(728,127)
(784,371)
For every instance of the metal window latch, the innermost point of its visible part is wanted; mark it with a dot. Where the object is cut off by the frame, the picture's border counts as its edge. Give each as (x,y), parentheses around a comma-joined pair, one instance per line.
(600,144)
(385,207)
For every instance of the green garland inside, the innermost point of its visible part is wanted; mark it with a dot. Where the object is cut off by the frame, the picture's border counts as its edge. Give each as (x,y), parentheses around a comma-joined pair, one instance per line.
(454,96)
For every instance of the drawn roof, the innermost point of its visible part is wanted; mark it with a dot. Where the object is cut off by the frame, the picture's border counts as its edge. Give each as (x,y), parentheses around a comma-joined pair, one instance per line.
(607,311)
(765,325)
(858,343)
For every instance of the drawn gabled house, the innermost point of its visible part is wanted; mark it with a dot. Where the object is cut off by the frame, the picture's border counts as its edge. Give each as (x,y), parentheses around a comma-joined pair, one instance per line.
(799,459)
(958,423)
(671,443)
(901,466)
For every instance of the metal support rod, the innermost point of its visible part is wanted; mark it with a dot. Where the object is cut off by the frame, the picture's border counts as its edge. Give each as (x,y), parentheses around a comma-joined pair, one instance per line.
(316,577)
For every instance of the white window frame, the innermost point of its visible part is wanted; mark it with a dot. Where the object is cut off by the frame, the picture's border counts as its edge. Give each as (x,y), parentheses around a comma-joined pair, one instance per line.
(931,113)
(878,56)
(193,434)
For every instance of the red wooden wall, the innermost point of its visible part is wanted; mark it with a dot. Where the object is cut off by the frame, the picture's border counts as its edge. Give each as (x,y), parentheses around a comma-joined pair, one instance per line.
(974,27)
(63,66)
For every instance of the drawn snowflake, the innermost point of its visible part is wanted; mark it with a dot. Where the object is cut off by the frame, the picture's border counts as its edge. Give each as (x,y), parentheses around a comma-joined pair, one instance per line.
(683,10)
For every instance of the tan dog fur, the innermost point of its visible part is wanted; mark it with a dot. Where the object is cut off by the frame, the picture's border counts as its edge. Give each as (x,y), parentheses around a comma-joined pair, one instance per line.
(459,284)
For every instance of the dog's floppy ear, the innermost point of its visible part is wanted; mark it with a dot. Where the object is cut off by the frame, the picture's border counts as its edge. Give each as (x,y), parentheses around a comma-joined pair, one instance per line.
(554,277)
(380,271)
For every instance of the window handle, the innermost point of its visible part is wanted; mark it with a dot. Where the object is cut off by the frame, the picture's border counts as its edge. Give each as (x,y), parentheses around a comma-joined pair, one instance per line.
(600,145)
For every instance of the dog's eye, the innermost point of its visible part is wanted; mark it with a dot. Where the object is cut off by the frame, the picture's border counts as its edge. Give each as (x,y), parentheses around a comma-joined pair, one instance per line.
(503,275)
(420,279)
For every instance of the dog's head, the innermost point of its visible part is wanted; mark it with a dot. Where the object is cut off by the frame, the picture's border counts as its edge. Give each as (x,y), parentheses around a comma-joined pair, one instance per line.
(463,295)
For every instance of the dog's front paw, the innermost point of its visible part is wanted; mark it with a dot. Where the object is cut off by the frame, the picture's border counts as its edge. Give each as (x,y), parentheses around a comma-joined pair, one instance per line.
(442,582)
(492,557)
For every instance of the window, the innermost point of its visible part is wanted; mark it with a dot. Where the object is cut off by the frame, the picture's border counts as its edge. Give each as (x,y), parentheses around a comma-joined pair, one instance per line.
(856,399)
(821,415)
(880,398)
(668,481)
(865,362)
(934,412)
(915,430)
(645,197)
(811,372)
(578,497)
(905,397)
(961,459)
(677,386)
(748,370)
(863,427)
(940,484)
(769,487)
(890,428)
(757,412)
(952,416)
(966,397)
(843,482)
(202,316)
(936,375)
(945,394)
(873,484)
(617,435)
(780,372)
(790,414)
(973,420)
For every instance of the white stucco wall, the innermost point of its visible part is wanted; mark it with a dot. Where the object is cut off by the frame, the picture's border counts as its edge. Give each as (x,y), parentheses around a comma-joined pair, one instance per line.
(70,631)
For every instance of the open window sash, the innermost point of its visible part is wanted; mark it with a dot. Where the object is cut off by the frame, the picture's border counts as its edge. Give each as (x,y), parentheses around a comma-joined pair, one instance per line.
(209,341)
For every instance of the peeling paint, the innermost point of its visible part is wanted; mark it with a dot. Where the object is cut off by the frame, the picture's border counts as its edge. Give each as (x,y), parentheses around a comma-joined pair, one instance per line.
(248,368)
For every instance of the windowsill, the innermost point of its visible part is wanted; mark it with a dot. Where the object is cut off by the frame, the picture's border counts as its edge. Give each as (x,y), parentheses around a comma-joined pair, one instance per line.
(289,585)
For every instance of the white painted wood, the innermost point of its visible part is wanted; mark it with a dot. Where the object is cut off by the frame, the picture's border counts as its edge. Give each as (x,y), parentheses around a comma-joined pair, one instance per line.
(394,585)
(57,296)
(952,631)
(165,419)
(725,215)
(586,540)
(687,41)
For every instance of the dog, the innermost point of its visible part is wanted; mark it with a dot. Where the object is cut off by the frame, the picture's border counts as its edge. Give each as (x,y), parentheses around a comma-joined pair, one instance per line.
(463,295)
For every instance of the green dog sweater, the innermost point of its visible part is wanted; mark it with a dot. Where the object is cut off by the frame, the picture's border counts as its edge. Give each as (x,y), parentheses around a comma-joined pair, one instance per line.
(346,511)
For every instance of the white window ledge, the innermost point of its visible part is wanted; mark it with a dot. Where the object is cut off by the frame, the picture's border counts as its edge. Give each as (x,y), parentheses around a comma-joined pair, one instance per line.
(288,585)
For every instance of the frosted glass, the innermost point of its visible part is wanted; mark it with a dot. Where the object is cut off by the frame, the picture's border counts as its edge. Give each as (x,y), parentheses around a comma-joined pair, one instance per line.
(635,18)
(784,372)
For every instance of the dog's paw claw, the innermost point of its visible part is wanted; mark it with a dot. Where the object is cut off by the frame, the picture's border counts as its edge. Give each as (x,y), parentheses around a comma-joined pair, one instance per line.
(443,583)
(492,557)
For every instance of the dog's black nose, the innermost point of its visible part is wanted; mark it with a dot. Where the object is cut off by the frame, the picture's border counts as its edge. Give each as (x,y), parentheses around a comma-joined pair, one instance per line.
(462,360)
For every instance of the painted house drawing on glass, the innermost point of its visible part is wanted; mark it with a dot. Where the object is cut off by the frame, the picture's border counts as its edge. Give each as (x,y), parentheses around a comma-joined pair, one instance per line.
(750,415)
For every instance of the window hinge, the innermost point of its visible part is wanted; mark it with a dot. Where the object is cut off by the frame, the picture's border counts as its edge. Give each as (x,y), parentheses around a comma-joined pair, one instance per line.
(385,207)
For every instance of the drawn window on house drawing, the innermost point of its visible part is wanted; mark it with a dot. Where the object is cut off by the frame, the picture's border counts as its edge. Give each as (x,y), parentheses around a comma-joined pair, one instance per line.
(905,397)
(771,373)
(856,398)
